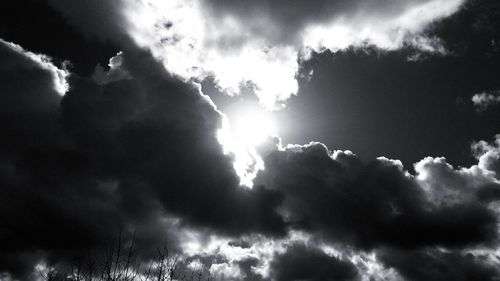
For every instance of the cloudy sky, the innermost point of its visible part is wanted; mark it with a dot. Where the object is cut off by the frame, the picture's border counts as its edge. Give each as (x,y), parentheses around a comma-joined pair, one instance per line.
(267,139)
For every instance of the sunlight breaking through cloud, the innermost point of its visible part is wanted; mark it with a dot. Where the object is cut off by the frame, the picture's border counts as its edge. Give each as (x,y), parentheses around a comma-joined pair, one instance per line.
(194,42)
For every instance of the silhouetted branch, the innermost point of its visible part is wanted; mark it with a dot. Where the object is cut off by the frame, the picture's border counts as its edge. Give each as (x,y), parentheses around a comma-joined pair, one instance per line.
(121,263)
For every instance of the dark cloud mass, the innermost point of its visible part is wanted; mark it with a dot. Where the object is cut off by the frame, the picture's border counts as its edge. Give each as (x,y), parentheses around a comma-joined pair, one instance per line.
(369,205)
(77,168)
(300,262)
(90,151)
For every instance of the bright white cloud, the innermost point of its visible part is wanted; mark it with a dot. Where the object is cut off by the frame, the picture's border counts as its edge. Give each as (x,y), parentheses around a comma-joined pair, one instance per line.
(191,46)
(193,42)
(485,100)
(371,268)
(445,184)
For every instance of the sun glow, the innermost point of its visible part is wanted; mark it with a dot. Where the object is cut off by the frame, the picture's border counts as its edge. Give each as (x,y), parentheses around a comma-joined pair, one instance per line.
(243,130)
(252,128)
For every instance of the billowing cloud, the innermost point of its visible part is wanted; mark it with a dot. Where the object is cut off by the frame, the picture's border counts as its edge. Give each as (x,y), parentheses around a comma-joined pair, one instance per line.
(485,100)
(488,156)
(379,203)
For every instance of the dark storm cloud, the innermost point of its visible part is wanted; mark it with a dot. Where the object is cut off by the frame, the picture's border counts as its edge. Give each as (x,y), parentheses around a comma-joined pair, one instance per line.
(35,158)
(442,266)
(372,204)
(302,262)
(110,156)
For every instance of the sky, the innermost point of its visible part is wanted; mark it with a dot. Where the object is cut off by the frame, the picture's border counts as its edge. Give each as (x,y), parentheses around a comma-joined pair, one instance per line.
(259,140)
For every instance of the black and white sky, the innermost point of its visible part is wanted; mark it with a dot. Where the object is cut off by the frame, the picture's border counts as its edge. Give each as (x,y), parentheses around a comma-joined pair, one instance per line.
(267,139)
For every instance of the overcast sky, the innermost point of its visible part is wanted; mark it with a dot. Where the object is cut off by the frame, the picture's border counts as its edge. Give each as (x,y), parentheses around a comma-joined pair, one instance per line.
(268,139)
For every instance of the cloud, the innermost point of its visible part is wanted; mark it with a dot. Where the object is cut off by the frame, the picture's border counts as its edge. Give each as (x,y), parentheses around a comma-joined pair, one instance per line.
(337,24)
(31,62)
(260,42)
(485,100)
(134,152)
(342,199)
(441,265)
(488,155)
(115,72)
(301,262)
(445,185)
(29,99)
(135,147)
